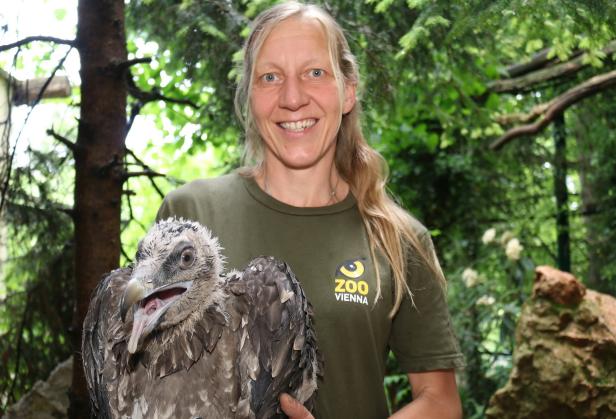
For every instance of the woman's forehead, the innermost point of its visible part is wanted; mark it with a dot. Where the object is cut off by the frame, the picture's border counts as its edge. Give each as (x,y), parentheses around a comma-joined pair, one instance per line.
(297,26)
(299,36)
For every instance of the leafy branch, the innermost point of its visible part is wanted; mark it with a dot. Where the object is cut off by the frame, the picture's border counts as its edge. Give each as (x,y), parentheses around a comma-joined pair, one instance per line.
(556,106)
(519,84)
(144,98)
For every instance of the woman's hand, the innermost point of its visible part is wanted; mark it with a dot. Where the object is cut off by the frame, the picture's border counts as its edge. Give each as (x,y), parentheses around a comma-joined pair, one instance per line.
(293,409)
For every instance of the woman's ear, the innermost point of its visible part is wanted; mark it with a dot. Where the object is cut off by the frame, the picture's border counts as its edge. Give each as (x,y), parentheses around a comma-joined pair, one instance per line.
(349,97)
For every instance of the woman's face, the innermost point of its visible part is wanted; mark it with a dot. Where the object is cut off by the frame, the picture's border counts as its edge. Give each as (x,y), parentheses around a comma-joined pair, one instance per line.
(295,99)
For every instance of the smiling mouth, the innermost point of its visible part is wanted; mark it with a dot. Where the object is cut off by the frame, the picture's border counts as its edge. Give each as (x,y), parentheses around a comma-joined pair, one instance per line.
(298,126)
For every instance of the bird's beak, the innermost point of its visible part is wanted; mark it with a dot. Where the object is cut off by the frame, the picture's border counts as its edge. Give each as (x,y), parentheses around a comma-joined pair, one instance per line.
(135,291)
(147,315)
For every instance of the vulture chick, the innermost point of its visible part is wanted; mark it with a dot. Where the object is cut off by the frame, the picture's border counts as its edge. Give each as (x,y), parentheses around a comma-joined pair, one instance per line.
(173,337)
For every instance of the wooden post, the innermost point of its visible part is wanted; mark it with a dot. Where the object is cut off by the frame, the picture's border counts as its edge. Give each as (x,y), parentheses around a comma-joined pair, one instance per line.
(25,92)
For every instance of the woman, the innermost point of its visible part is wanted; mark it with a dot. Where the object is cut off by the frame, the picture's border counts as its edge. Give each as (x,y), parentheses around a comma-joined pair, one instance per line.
(312,193)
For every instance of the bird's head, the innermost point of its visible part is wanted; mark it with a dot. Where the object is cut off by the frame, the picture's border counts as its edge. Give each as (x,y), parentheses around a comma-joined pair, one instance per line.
(177,270)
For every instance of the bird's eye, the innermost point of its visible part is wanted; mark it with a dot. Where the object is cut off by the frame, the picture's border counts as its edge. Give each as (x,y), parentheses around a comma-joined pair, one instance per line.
(187,258)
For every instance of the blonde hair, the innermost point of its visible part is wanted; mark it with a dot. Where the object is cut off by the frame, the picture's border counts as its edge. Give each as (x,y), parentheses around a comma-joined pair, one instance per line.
(389,227)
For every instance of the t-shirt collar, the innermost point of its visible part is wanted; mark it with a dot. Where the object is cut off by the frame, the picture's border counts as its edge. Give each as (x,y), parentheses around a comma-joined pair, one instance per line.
(258,194)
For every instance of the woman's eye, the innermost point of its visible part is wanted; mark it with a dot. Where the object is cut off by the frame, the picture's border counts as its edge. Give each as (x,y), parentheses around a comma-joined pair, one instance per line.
(316,72)
(269,77)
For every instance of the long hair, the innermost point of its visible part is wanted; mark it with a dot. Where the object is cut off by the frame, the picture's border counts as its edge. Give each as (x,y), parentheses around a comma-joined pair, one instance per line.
(389,227)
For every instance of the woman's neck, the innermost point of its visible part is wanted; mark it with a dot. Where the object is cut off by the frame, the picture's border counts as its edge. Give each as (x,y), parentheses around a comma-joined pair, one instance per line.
(316,186)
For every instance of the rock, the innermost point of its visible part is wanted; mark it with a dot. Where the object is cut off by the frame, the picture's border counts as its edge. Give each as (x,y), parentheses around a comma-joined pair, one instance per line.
(564,364)
(558,286)
(47,399)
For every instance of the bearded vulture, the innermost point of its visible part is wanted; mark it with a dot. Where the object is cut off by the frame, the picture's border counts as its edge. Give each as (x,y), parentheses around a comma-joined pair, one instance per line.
(172,336)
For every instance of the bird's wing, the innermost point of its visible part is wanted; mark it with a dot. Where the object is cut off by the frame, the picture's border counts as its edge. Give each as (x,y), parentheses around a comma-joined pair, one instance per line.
(278,350)
(102,329)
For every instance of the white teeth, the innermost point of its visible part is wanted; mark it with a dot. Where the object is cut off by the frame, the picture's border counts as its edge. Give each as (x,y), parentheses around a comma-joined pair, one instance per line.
(297,126)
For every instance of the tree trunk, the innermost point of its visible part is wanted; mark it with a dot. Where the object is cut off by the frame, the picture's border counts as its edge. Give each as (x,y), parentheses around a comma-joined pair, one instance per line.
(5,130)
(561,194)
(588,179)
(99,155)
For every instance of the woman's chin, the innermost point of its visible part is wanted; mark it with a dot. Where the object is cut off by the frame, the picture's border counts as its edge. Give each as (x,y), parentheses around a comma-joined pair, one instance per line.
(301,158)
(303,162)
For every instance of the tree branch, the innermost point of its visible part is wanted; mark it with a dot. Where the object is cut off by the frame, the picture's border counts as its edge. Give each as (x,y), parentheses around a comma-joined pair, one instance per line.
(557,105)
(147,168)
(18,351)
(539,60)
(52,207)
(522,118)
(132,214)
(134,112)
(153,95)
(123,251)
(41,38)
(68,143)
(535,112)
(493,353)
(148,173)
(129,63)
(521,83)
(7,180)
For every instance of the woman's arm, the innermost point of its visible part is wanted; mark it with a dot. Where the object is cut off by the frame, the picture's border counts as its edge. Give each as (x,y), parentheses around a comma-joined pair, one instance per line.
(435,395)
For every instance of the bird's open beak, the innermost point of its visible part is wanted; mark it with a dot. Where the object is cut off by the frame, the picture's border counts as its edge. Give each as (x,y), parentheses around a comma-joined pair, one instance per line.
(134,292)
(150,305)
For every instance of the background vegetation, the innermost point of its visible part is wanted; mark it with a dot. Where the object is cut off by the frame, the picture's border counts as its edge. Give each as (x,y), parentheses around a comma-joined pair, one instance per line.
(443,83)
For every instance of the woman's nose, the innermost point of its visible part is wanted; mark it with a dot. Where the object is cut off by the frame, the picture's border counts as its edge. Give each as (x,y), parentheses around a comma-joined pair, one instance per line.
(292,95)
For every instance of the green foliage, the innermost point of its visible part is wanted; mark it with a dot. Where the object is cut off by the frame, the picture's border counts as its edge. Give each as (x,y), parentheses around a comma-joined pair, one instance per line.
(199,41)
(141,199)
(485,303)
(37,288)
(427,68)
(595,143)
(396,385)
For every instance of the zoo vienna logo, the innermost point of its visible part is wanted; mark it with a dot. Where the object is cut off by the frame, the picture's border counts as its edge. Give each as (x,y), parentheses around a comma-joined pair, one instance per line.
(349,285)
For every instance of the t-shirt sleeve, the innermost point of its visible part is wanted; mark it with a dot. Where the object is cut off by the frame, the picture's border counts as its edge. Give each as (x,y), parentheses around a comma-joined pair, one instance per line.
(165,210)
(422,337)
(182,203)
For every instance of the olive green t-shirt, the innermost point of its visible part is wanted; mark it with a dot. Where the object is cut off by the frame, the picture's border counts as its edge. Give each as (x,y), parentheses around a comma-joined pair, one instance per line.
(327,248)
